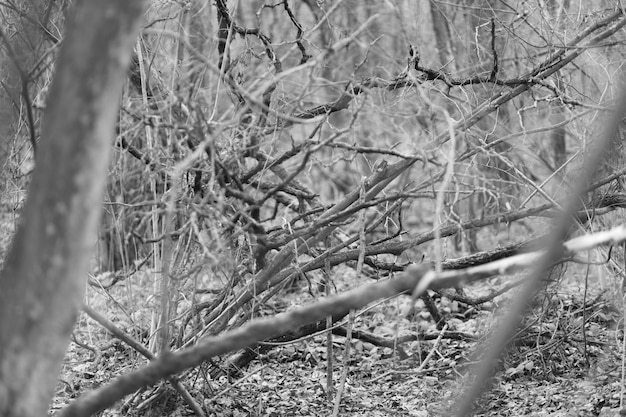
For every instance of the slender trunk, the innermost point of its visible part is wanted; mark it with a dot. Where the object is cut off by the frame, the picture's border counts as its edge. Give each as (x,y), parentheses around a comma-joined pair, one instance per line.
(42,284)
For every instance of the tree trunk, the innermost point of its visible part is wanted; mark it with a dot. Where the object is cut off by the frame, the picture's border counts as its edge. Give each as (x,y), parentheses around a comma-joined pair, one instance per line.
(42,284)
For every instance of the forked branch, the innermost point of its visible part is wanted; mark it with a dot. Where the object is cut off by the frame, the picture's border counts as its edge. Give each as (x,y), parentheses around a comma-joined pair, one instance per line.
(266,328)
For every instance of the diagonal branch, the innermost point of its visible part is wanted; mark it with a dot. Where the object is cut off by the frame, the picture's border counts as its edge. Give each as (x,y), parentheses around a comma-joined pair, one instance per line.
(338,305)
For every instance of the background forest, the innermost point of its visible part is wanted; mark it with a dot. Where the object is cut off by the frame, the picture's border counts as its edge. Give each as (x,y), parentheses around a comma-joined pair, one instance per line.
(276,154)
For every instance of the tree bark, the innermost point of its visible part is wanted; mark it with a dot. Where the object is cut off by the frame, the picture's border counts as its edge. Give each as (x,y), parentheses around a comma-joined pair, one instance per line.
(42,283)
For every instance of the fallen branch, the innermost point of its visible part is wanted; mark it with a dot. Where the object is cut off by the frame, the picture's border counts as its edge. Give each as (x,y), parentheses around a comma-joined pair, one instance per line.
(171,363)
(117,332)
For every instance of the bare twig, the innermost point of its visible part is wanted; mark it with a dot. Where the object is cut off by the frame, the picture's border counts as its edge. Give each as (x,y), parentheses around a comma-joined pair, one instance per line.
(266,328)
(554,251)
(137,346)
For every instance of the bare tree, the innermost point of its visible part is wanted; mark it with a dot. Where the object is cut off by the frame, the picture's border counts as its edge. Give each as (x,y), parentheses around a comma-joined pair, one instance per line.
(42,283)
(260,145)
(26,33)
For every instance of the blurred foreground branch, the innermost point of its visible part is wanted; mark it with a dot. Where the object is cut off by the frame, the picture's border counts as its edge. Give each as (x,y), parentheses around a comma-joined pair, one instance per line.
(417,276)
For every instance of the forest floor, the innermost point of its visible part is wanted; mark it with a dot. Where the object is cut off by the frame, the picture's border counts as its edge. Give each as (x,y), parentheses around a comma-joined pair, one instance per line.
(566,361)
